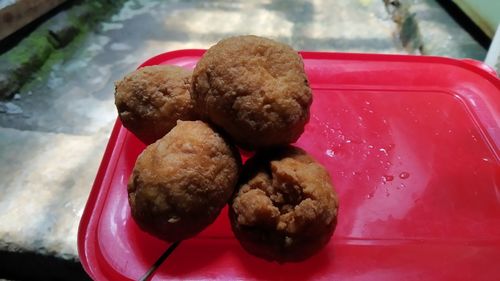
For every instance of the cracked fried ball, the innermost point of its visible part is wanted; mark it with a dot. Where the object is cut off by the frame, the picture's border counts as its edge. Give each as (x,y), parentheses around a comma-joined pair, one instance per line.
(181,182)
(151,99)
(285,208)
(255,89)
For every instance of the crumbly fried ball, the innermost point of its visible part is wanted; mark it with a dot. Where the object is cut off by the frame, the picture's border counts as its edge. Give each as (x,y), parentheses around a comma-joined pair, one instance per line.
(255,89)
(151,99)
(285,208)
(181,182)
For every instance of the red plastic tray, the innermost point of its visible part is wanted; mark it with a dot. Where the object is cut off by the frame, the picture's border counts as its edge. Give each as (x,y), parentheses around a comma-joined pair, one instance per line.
(412,145)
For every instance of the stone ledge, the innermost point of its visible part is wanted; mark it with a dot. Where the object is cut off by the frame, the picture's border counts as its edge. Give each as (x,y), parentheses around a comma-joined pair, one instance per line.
(18,64)
(46,179)
(16,14)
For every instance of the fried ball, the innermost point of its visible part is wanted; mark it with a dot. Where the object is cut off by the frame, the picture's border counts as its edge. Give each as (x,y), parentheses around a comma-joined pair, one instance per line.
(181,182)
(255,89)
(151,99)
(285,208)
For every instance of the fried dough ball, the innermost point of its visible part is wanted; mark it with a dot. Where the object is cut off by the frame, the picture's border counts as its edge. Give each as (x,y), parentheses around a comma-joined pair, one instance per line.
(181,182)
(151,99)
(255,89)
(285,208)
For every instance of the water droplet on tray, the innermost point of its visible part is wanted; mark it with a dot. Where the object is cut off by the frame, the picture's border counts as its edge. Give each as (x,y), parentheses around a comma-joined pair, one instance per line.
(369,195)
(404,175)
(384,151)
(388,178)
(330,153)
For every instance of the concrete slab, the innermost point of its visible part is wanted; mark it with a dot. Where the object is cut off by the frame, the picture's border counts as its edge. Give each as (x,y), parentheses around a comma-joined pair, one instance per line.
(46,178)
(75,95)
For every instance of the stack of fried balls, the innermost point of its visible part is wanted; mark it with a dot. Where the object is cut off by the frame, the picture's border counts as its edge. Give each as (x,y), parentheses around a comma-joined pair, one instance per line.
(248,92)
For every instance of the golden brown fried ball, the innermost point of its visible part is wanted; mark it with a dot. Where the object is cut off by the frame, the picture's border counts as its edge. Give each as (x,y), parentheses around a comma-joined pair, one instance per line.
(255,89)
(181,182)
(151,99)
(285,208)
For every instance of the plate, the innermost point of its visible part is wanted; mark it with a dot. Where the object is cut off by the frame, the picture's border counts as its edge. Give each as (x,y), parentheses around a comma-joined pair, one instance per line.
(413,147)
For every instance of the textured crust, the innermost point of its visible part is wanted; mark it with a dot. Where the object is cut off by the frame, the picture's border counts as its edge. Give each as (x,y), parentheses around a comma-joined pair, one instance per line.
(151,99)
(181,182)
(285,208)
(255,89)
